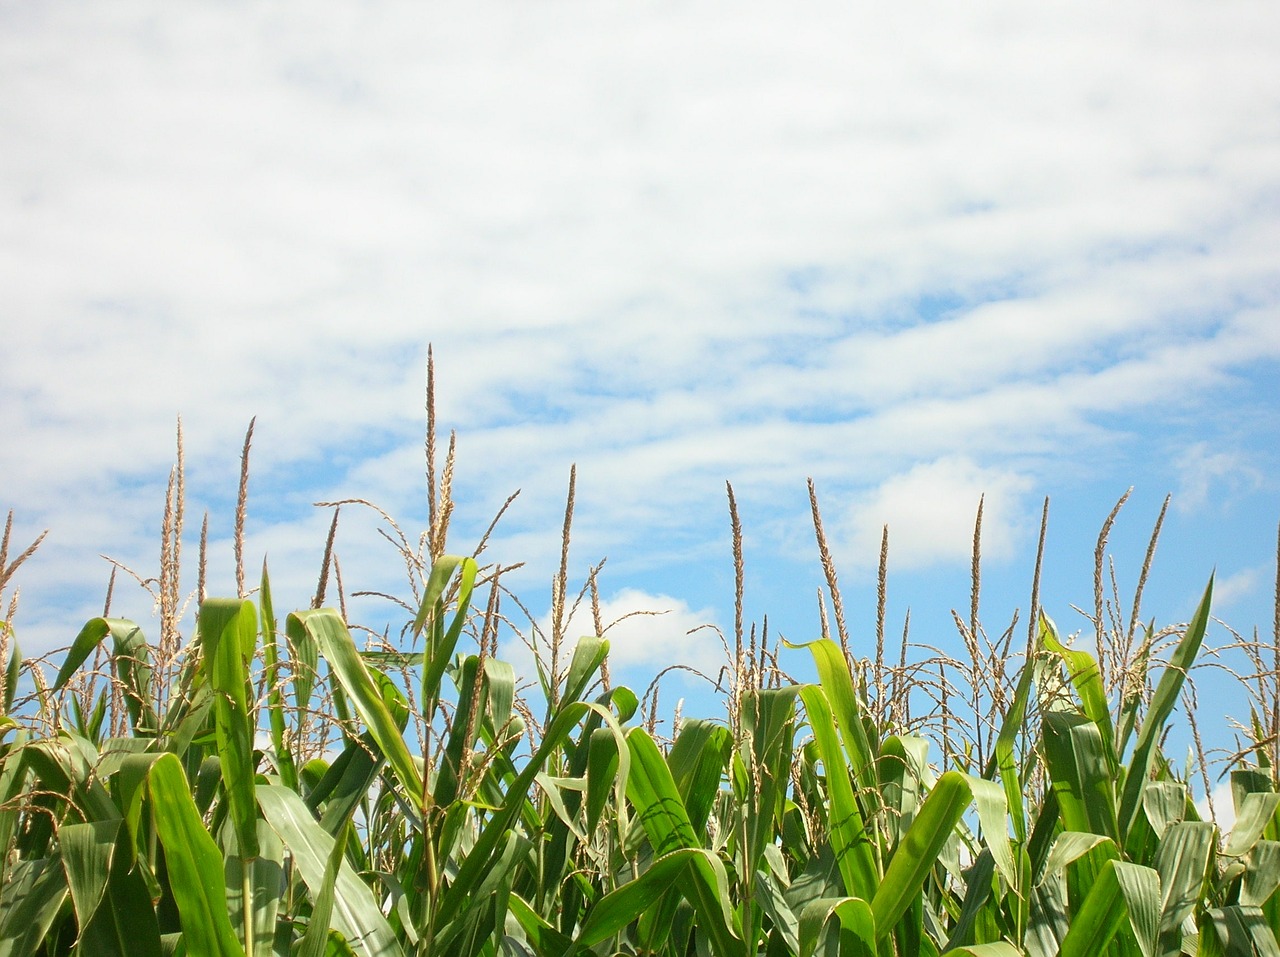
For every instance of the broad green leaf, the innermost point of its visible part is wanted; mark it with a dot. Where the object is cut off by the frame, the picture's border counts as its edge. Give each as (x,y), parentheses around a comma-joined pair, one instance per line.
(94,630)
(355,910)
(429,622)
(470,873)
(1236,931)
(1255,811)
(31,900)
(266,883)
(857,926)
(993,816)
(1075,754)
(845,705)
(112,903)
(1183,861)
(1070,846)
(1124,897)
(66,765)
(316,938)
(848,835)
(10,678)
(698,874)
(654,795)
(588,654)
(697,760)
(132,656)
(919,848)
(194,862)
(1262,873)
(773,902)
(228,635)
(1164,803)
(546,940)
(283,754)
(768,723)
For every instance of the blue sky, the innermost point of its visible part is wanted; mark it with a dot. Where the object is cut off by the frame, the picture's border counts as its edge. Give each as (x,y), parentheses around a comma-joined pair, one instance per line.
(919,254)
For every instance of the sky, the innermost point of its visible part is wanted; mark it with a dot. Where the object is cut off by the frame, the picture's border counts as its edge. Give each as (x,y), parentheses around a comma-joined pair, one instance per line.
(920,253)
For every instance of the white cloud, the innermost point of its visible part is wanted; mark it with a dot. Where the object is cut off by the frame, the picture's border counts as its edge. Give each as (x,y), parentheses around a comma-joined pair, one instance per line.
(1223,806)
(920,250)
(930,511)
(1206,475)
(1230,589)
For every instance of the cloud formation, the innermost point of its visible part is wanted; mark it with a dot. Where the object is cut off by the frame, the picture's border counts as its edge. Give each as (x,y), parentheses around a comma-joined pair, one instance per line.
(919,253)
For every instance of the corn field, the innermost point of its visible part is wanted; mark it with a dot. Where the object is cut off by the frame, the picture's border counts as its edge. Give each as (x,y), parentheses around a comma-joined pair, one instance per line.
(273,786)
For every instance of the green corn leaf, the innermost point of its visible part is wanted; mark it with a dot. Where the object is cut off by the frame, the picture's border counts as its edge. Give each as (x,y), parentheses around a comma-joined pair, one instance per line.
(545,939)
(316,938)
(848,835)
(1075,754)
(697,760)
(1070,846)
(602,773)
(66,765)
(1125,898)
(768,722)
(457,897)
(1164,803)
(699,875)
(111,900)
(1262,873)
(769,895)
(999,948)
(429,621)
(265,885)
(1163,701)
(652,791)
(271,678)
(1236,931)
(94,630)
(355,911)
(977,895)
(132,657)
(1083,671)
(857,926)
(1183,861)
(588,654)
(919,848)
(1004,759)
(500,684)
(194,862)
(228,635)
(993,815)
(837,684)
(1254,812)
(462,732)
(31,901)
(330,634)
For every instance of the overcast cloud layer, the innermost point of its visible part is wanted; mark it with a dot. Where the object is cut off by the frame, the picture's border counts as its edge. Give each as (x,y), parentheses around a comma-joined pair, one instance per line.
(921,253)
